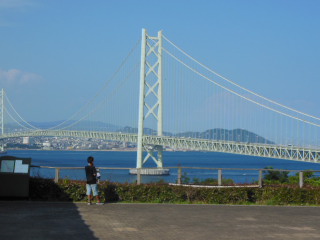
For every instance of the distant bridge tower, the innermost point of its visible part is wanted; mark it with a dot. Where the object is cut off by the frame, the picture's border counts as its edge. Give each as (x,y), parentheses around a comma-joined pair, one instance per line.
(2,117)
(2,111)
(150,98)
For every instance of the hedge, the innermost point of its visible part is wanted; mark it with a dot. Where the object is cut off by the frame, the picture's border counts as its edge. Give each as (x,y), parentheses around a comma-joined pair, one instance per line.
(67,190)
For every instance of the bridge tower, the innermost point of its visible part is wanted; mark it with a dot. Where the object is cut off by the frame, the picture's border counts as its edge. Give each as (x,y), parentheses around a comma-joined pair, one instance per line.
(150,99)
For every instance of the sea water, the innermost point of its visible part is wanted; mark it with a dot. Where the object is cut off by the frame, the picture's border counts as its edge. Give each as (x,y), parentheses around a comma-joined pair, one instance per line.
(126,159)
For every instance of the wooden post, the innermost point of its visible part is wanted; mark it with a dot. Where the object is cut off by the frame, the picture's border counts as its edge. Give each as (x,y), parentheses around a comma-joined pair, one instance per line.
(219,177)
(301,180)
(260,178)
(57,175)
(138,176)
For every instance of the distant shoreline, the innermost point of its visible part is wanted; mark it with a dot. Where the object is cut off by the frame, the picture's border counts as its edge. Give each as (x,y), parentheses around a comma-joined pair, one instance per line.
(78,150)
(92,150)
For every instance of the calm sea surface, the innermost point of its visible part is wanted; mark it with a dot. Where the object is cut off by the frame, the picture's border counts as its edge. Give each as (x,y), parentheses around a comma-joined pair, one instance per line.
(171,159)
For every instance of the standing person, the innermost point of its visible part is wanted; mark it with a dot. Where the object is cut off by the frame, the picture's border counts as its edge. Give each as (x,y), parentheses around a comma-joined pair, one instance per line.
(92,186)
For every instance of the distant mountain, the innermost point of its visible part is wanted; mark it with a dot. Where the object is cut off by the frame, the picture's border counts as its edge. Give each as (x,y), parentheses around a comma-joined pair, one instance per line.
(83,125)
(95,126)
(147,131)
(236,135)
(46,124)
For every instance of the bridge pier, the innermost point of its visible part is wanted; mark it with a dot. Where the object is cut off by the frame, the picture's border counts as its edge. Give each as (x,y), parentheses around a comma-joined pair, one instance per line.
(150,171)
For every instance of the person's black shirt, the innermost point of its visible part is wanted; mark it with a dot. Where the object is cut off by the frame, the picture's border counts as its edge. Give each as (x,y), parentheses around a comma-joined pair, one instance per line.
(91,174)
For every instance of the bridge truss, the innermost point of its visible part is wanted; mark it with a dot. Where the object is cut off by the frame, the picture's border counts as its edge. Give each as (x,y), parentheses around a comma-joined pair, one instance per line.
(190,144)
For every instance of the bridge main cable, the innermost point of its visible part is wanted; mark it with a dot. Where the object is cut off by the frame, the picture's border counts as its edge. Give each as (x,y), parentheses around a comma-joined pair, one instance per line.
(235,84)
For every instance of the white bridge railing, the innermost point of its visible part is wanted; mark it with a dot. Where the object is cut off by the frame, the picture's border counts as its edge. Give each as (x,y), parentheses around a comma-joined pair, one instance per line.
(179,179)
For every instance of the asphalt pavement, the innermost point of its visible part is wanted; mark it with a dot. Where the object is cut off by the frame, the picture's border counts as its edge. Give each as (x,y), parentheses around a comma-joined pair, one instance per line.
(50,220)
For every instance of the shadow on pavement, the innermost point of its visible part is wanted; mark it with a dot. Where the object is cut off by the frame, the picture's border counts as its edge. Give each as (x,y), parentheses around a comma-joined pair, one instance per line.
(21,219)
(42,220)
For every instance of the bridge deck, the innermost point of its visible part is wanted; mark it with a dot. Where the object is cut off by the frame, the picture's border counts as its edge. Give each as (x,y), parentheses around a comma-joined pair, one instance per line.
(191,144)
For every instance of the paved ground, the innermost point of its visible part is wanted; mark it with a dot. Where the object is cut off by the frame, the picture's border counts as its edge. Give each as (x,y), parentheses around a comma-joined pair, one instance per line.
(39,220)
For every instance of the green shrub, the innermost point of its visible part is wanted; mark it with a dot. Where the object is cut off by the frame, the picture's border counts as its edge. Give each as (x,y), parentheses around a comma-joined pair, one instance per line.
(76,190)
(67,190)
(208,181)
(291,195)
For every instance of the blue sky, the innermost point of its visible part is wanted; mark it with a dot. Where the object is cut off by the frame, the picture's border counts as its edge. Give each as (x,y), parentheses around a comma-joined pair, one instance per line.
(55,54)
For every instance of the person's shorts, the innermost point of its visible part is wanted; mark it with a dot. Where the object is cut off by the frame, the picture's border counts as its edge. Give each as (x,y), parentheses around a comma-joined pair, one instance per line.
(92,189)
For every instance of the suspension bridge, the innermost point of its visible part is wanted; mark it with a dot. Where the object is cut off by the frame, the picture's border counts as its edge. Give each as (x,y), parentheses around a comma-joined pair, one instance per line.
(161,97)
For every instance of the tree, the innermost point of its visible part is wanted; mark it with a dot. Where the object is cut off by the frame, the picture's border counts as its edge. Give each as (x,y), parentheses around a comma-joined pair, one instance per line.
(273,176)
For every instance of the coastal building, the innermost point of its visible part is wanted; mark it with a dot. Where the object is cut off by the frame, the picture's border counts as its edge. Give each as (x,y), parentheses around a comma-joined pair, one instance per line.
(26,140)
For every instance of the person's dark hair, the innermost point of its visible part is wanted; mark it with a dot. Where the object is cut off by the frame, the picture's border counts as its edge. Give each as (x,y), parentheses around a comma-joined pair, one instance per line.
(90,159)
